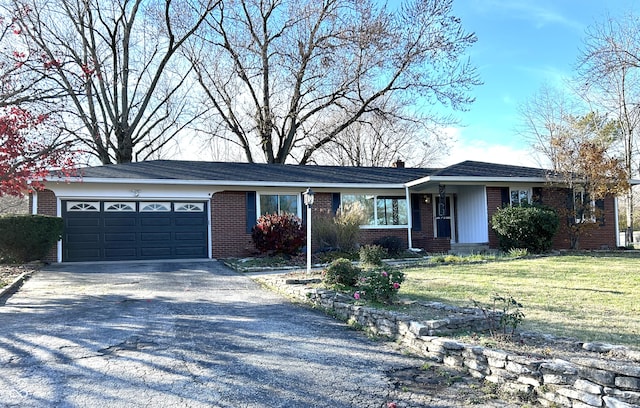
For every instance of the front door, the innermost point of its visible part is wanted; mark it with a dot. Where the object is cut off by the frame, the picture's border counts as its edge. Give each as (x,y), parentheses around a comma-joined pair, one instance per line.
(443,217)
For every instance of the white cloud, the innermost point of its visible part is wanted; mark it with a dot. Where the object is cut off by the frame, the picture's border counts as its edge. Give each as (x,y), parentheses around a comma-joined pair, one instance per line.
(481,150)
(538,14)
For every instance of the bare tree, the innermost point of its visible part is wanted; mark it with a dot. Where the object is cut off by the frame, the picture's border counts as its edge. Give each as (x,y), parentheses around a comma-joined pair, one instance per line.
(381,141)
(18,83)
(114,62)
(609,74)
(287,77)
(544,117)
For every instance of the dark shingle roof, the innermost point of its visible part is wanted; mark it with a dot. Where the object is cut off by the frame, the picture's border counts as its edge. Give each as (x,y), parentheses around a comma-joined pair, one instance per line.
(489,170)
(287,173)
(254,172)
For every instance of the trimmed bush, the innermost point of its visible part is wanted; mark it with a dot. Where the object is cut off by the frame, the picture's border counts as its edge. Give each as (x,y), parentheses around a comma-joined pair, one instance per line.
(392,244)
(528,227)
(276,233)
(341,272)
(372,255)
(380,284)
(26,238)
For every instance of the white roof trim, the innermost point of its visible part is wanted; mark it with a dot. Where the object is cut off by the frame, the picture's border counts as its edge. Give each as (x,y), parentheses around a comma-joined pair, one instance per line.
(467,179)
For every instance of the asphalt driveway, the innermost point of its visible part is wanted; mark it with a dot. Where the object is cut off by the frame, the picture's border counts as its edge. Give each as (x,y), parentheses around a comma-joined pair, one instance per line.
(169,334)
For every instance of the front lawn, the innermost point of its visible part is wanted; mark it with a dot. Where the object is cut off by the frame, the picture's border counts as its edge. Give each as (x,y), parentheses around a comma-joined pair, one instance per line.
(593,297)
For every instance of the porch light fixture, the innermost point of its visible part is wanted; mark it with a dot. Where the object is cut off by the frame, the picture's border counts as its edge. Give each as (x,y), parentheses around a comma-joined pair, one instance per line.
(308,201)
(427,199)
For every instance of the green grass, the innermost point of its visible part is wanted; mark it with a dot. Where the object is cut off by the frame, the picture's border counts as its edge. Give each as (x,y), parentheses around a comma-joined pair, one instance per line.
(594,297)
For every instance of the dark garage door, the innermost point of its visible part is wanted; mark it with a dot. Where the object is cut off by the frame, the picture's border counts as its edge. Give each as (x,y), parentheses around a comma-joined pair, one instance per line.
(129,230)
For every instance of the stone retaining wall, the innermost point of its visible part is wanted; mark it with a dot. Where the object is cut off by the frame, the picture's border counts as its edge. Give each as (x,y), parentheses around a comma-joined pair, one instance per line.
(577,382)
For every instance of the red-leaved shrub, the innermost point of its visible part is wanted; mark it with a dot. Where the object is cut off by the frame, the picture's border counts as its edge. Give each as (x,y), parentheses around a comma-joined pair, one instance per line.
(278,234)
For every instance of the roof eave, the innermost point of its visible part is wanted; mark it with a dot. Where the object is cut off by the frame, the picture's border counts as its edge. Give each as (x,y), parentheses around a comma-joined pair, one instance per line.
(467,179)
(229,183)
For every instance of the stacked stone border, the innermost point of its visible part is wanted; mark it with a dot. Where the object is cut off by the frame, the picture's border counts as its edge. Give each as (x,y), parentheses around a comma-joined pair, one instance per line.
(577,382)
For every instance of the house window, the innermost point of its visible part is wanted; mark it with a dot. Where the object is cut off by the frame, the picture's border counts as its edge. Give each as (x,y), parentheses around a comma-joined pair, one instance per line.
(520,196)
(189,207)
(119,207)
(155,207)
(82,206)
(584,207)
(379,210)
(278,204)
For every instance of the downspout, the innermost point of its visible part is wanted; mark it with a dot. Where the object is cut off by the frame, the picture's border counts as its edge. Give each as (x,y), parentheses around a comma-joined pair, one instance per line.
(409,218)
(209,227)
(59,214)
(615,212)
(34,203)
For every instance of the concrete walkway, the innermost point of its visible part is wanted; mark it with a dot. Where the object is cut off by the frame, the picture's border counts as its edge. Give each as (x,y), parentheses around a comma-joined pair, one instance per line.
(183,334)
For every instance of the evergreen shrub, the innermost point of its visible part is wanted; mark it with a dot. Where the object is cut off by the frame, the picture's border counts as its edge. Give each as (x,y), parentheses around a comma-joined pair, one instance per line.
(26,238)
(529,227)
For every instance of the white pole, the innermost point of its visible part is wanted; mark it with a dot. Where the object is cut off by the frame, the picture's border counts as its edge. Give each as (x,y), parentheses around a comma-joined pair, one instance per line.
(308,238)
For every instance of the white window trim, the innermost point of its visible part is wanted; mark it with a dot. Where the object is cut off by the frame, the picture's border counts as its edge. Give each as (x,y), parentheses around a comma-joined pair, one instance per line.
(279,193)
(592,204)
(375,210)
(529,191)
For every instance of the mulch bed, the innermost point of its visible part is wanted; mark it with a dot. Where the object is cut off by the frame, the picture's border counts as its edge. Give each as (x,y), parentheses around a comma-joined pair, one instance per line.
(9,273)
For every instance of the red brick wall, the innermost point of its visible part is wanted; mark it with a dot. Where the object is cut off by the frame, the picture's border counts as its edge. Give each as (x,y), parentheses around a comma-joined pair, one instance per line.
(368,236)
(595,236)
(494,202)
(47,205)
(229,236)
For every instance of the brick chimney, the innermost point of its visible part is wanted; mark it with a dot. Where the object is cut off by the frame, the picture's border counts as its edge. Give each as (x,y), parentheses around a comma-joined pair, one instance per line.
(399,164)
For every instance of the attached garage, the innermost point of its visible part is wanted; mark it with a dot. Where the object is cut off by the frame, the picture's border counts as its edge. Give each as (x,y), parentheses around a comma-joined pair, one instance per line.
(133,230)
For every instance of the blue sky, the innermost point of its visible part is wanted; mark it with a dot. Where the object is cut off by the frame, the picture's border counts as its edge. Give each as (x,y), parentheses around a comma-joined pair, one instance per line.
(522,44)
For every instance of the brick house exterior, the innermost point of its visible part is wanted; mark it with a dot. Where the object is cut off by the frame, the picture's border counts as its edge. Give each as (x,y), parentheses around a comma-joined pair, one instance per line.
(200,209)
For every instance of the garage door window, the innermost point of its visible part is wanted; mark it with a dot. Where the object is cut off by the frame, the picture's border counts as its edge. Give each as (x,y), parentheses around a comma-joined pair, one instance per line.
(119,207)
(189,207)
(82,206)
(155,207)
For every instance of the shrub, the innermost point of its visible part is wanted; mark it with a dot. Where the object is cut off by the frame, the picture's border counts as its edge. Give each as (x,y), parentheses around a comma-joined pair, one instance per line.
(372,255)
(529,227)
(380,284)
(392,244)
(341,272)
(504,316)
(278,234)
(25,238)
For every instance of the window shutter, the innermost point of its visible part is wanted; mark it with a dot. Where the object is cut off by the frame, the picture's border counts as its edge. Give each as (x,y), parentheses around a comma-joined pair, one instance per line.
(537,195)
(251,210)
(415,212)
(570,200)
(505,198)
(600,212)
(303,220)
(335,202)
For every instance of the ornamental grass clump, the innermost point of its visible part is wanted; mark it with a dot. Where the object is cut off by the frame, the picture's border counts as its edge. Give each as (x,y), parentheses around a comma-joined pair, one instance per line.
(372,255)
